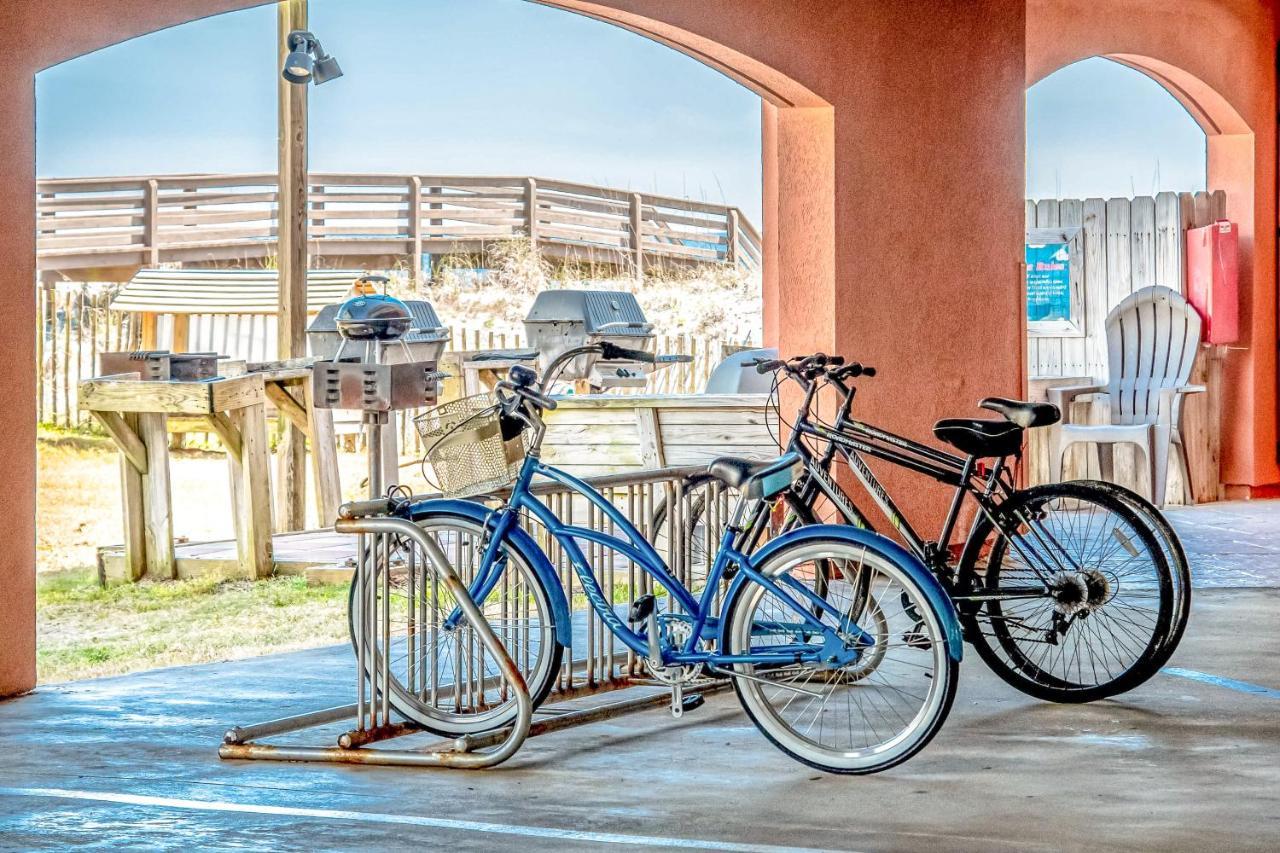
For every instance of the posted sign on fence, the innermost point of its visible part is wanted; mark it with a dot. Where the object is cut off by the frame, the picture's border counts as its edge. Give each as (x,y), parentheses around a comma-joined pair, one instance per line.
(1048,282)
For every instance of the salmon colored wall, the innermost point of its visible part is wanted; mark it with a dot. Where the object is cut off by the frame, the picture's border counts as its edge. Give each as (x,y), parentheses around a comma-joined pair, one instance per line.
(894,136)
(1218,58)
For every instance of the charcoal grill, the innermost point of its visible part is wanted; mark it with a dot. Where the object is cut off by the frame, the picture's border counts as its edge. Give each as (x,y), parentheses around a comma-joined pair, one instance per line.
(374,370)
(423,341)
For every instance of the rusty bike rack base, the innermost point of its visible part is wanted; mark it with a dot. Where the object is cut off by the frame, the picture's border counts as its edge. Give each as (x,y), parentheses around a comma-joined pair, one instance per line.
(463,751)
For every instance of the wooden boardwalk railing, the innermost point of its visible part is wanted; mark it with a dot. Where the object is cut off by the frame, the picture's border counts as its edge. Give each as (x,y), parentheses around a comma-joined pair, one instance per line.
(99,225)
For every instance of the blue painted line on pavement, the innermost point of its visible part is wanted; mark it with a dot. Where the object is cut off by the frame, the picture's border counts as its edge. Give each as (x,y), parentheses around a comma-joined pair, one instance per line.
(1220,681)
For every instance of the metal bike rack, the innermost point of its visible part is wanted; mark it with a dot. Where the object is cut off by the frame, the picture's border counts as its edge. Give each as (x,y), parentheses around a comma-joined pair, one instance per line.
(372,712)
(377,388)
(372,709)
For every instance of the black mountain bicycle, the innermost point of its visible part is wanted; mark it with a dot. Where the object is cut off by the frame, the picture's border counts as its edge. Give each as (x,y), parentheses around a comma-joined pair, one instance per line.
(1070,592)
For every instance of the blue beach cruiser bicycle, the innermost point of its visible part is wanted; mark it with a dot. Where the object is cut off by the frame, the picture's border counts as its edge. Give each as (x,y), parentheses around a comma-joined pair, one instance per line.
(843,649)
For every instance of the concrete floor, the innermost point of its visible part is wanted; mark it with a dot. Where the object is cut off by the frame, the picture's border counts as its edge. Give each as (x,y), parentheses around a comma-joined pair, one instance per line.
(1188,761)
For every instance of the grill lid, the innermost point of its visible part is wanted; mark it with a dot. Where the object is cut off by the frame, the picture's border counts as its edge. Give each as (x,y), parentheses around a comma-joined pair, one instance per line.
(373,317)
(604,312)
(425,325)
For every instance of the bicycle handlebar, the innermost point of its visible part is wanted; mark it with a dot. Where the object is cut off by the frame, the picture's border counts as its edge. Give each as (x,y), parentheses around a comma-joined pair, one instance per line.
(851,371)
(533,395)
(806,368)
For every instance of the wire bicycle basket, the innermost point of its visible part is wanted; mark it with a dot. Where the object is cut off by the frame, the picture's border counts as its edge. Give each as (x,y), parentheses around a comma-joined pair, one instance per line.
(466,449)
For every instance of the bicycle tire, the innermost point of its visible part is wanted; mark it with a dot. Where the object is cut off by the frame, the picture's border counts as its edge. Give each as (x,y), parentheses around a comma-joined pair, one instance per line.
(928,668)
(1175,555)
(1008,658)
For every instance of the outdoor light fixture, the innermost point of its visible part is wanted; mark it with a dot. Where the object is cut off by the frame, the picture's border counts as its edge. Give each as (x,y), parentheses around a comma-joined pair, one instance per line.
(307,60)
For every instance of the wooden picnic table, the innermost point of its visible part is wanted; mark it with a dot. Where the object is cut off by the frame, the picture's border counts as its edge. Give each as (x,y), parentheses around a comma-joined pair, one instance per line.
(134,414)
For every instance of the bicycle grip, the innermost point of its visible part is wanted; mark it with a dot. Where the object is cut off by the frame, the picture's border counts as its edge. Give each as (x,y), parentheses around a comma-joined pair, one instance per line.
(767,365)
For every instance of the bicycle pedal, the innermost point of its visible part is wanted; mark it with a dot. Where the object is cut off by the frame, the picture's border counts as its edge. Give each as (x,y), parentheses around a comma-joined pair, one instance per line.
(641,609)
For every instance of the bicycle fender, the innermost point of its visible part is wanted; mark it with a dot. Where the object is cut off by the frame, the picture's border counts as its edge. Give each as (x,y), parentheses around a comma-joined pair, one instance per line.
(520,540)
(882,546)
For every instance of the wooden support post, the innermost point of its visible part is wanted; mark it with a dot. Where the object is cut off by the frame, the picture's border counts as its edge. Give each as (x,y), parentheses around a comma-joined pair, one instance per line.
(157,497)
(650,439)
(731,239)
(181,333)
(251,491)
(289,406)
(150,330)
(131,491)
(637,235)
(151,222)
(293,261)
(324,460)
(415,230)
(531,210)
(125,434)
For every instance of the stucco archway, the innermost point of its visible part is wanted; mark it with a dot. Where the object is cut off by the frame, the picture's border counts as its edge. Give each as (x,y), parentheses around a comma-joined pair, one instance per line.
(1217,59)
(893,201)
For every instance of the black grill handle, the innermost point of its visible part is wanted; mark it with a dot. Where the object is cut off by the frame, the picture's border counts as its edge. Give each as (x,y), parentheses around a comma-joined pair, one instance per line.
(613,352)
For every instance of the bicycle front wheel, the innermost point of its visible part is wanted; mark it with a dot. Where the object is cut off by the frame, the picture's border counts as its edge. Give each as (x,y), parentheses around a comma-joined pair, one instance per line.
(439,675)
(860,715)
(1074,600)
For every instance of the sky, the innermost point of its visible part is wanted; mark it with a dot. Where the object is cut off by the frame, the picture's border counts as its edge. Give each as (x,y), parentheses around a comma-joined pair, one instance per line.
(430,86)
(510,87)
(1100,129)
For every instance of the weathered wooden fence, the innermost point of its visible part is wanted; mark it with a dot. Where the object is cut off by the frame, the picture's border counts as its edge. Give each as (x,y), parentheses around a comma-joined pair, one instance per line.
(1124,245)
(1127,244)
(99,228)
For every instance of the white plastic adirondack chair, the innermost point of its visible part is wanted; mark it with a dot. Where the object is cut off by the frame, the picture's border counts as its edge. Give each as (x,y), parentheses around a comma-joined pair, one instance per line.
(1152,340)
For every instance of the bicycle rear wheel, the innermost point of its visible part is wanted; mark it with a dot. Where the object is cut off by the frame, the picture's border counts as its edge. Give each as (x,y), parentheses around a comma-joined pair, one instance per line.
(440,676)
(853,716)
(1174,554)
(1074,599)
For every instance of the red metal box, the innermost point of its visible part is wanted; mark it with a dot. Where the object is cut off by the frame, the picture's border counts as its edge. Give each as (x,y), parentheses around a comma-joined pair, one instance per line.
(1213,280)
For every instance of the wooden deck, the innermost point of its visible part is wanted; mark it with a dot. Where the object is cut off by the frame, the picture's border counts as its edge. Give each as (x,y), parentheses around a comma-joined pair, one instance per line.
(105,228)
(322,555)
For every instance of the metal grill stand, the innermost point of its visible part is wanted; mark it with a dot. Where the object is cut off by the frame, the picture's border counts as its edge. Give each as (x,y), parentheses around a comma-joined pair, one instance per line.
(377,389)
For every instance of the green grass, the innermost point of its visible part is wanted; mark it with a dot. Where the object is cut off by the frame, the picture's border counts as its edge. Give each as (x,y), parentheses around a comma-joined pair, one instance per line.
(86,631)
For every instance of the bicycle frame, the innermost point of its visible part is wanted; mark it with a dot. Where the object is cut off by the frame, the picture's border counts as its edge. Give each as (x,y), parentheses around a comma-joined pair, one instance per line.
(850,439)
(635,548)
